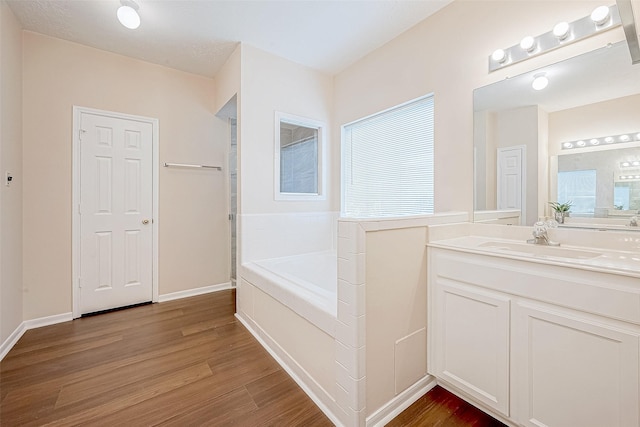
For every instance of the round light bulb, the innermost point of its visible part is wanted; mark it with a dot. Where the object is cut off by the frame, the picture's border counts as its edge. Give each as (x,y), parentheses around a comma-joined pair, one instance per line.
(581,143)
(638,136)
(540,82)
(608,140)
(528,43)
(600,15)
(625,164)
(561,30)
(499,55)
(567,145)
(594,141)
(637,176)
(624,138)
(636,163)
(128,17)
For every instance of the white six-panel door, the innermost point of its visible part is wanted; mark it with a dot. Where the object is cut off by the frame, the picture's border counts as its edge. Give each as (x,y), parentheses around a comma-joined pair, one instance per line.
(115,212)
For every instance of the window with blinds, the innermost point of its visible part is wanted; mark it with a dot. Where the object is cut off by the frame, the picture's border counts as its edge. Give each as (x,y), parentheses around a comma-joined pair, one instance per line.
(387,162)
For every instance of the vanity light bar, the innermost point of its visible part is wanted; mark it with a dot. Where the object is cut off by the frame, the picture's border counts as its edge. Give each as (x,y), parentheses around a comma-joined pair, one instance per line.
(607,140)
(603,18)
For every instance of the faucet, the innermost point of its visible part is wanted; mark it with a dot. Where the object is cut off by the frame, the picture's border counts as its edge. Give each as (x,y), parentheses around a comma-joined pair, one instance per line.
(633,222)
(540,236)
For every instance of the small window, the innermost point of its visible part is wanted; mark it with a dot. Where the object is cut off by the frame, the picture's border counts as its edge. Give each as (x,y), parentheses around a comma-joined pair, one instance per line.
(299,152)
(387,162)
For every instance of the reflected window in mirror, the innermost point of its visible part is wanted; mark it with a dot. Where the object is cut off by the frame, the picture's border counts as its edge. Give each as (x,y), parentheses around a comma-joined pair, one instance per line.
(579,188)
(299,153)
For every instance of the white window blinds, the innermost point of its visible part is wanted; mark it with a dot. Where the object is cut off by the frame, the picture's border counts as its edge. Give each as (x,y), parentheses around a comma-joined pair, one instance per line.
(388,162)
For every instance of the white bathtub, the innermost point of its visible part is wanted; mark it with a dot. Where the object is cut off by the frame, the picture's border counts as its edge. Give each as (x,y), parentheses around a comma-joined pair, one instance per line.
(306,283)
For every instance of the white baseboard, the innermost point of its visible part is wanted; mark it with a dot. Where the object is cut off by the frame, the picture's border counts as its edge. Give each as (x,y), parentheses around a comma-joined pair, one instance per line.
(290,366)
(31,324)
(193,292)
(395,406)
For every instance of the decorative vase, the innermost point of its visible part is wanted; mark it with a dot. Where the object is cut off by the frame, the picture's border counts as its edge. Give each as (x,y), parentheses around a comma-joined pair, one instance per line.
(560,216)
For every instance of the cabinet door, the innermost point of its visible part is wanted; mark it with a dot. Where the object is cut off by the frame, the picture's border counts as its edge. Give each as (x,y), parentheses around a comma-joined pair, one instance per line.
(471,342)
(573,372)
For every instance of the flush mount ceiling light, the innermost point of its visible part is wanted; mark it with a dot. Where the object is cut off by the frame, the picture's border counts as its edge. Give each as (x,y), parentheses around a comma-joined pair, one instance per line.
(600,15)
(612,139)
(128,14)
(540,81)
(564,33)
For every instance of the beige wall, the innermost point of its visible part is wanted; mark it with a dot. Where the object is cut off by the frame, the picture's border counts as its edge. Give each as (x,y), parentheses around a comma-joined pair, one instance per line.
(193,226)
(396,312)
(271,84)
(447,54)
(10,160)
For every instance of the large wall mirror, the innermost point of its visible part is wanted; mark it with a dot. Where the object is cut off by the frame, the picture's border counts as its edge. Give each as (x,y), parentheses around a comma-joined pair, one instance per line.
(522,136)
(299,158)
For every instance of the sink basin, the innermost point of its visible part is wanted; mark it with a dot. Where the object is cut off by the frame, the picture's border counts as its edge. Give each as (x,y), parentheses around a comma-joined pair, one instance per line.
(540,250)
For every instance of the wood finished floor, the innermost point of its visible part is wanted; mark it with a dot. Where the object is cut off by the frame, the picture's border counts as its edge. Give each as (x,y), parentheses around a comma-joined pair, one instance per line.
(180,363)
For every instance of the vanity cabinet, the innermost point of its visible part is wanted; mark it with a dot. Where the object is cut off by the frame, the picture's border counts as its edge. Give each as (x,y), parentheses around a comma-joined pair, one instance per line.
(571,371)
(538,345)
(472,342)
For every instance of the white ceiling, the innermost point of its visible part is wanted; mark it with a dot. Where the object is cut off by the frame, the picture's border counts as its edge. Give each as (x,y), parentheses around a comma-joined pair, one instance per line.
(198,36)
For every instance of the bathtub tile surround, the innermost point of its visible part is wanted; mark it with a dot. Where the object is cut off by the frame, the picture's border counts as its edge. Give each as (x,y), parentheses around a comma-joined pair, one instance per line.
(320,337)
(351,321)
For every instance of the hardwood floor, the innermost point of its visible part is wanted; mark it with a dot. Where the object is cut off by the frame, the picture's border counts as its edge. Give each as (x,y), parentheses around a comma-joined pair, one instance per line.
(179,363)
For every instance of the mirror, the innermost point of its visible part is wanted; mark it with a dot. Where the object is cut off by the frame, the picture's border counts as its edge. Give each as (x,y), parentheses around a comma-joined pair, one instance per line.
(299,154)
(519,159)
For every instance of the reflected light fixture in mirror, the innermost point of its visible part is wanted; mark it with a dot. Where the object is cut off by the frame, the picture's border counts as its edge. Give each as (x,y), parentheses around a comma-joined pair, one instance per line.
(540,81)
(128,14)
(601,19)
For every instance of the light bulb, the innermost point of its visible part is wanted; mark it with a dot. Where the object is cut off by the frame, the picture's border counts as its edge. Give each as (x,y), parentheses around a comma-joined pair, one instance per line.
(499,55)
(625,164)
(567,145)
(624,138)
(638,136)
(608,140)
(128,17)
(636,163)
(581,143)
(594,141)
(600,15)
(561,30)
(540,82)
(528,43)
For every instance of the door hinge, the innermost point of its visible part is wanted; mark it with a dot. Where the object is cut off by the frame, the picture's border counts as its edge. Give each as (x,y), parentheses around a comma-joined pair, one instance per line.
(80,132)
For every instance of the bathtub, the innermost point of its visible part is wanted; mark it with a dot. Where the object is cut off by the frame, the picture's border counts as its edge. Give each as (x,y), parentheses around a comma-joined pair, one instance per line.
(305,283)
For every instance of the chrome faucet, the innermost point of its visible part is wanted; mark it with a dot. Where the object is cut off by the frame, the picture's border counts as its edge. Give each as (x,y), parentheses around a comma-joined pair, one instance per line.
(633,222)
(540,236)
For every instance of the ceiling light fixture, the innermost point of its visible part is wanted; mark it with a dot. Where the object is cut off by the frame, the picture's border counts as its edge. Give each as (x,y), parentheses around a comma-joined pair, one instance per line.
(128,14)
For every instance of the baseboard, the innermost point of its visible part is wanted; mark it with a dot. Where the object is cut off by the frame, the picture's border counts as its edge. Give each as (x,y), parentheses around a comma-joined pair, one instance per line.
(31,324)
(262,338)
(395,406)
(12,340)
(193,292)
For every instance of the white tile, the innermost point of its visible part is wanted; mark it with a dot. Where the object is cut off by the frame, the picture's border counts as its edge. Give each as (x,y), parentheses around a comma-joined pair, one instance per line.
(353,297)
(353,359)
(342,399)
(352,269)
(343,378)
(351,335)
(346,247)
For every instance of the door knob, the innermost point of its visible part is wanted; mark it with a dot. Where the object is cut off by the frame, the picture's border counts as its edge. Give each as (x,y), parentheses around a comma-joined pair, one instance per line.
(145,221)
